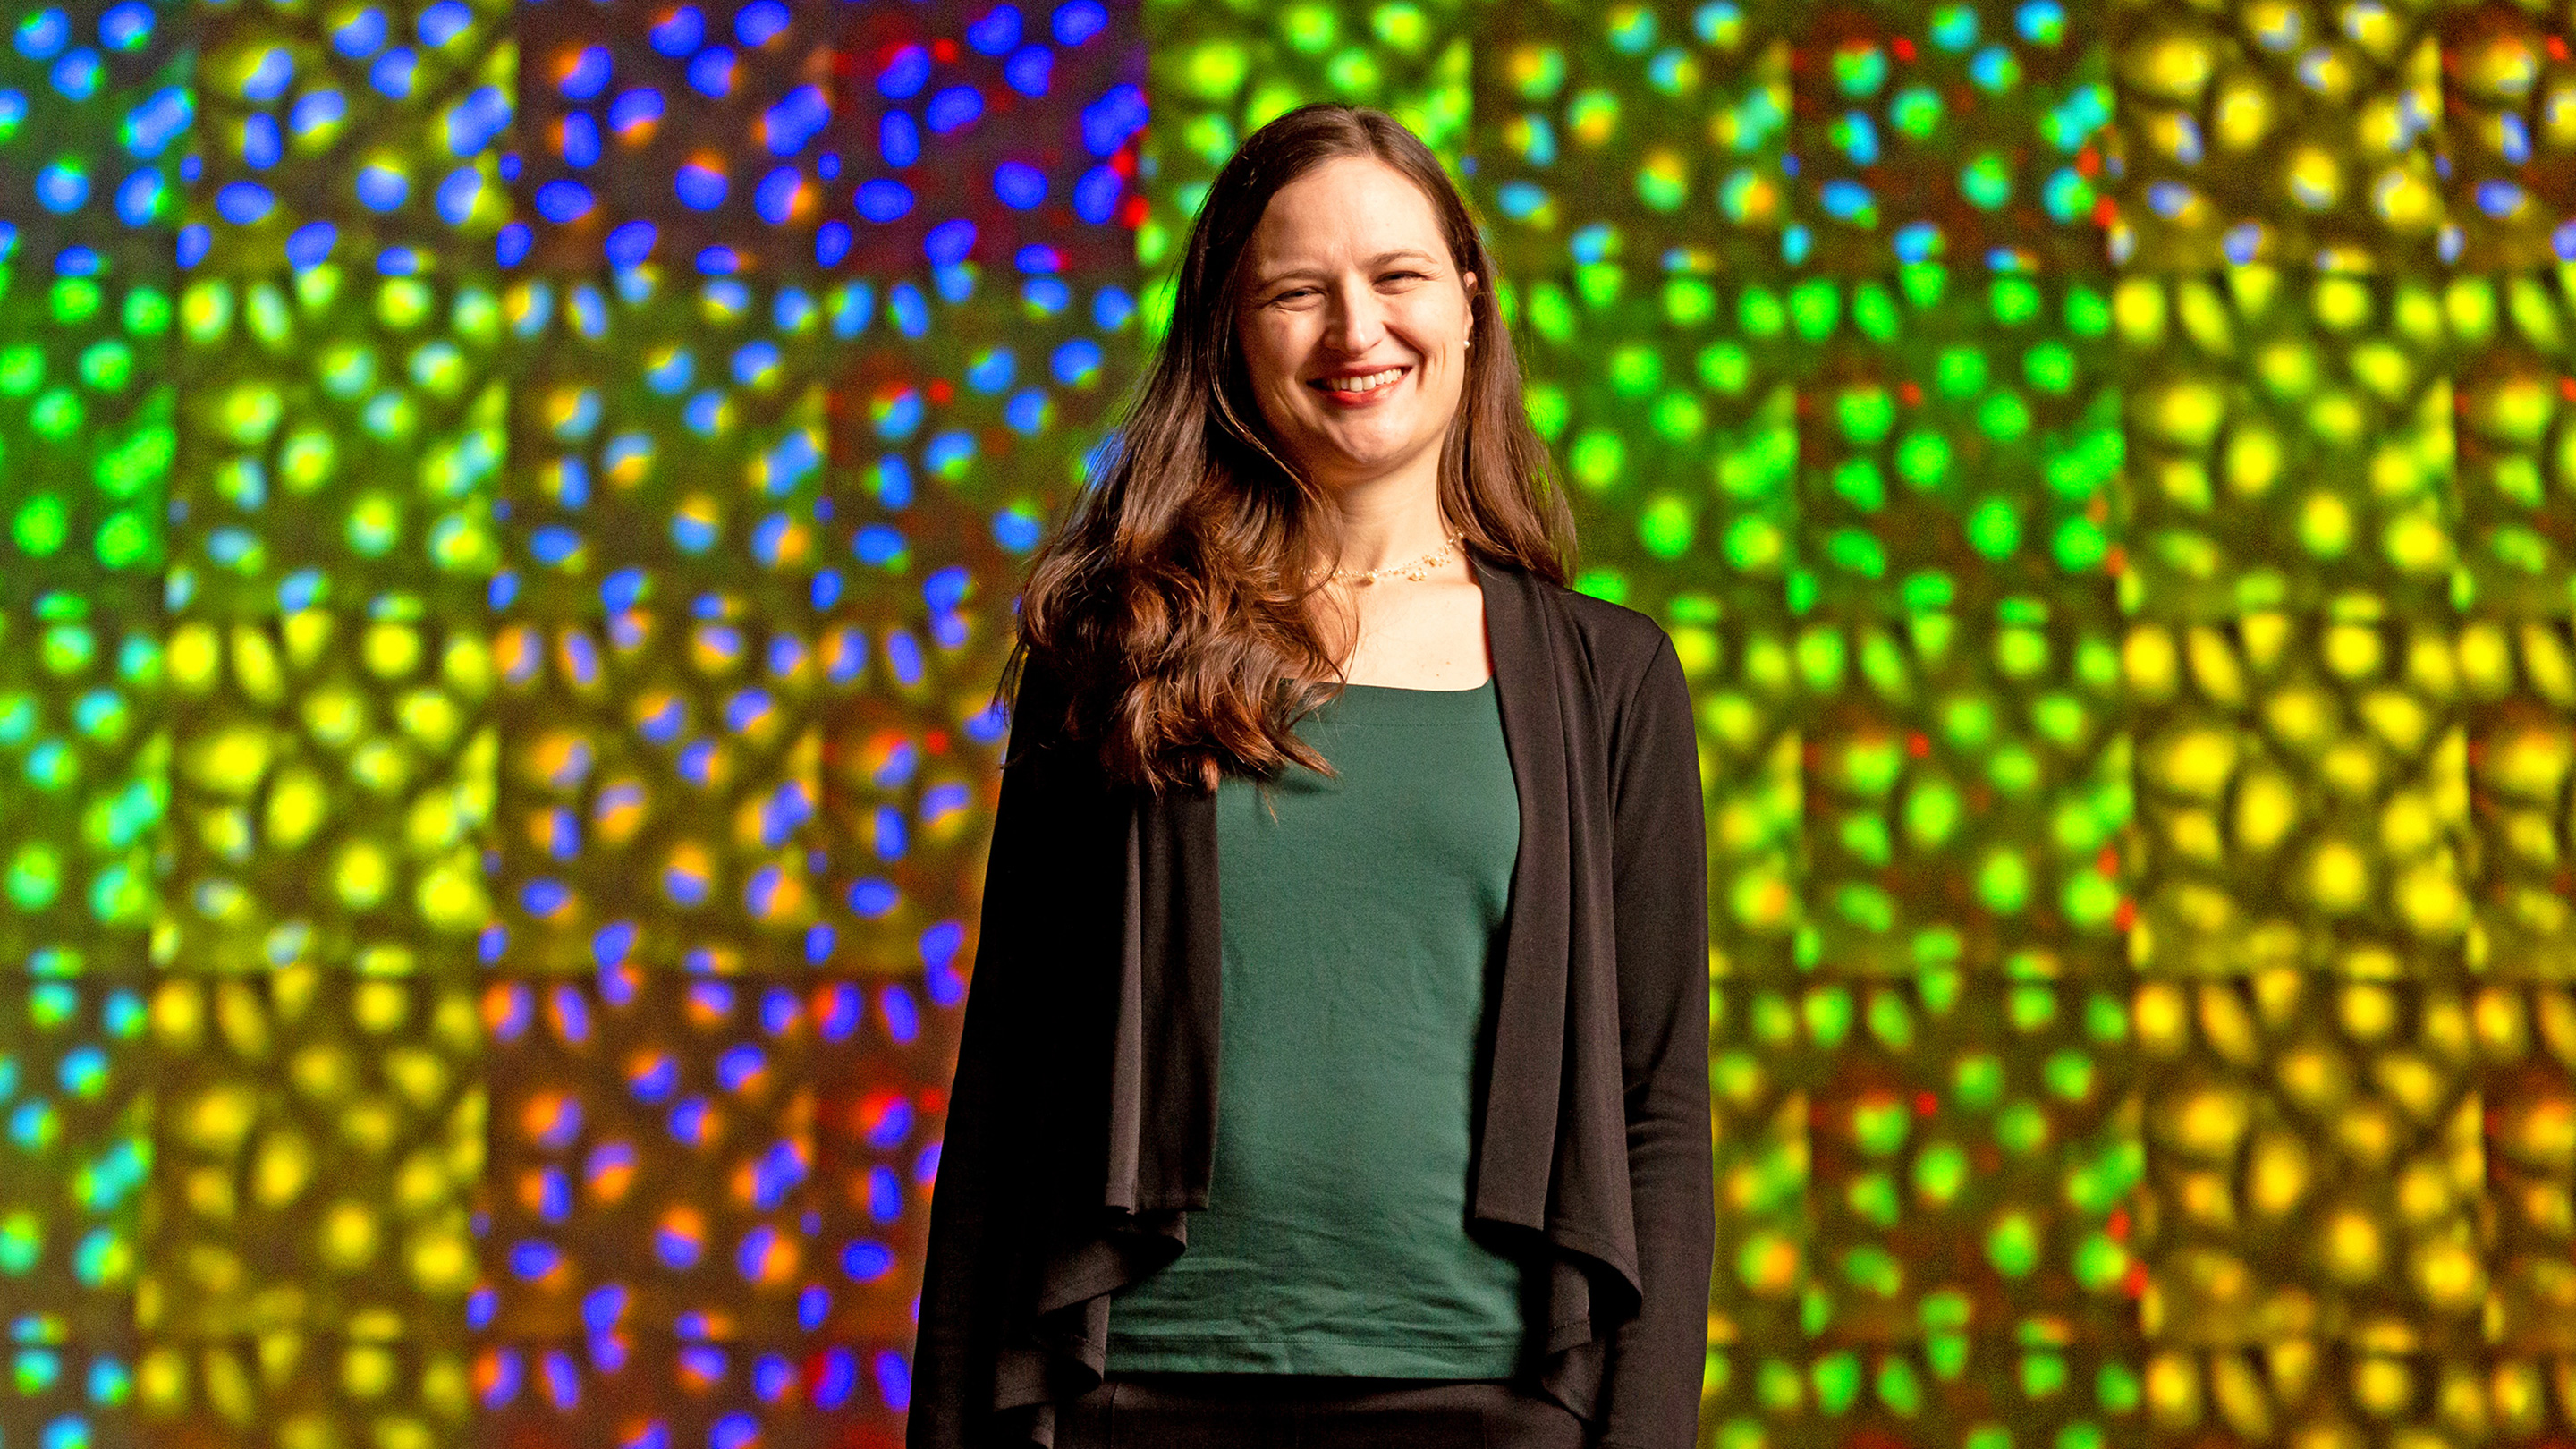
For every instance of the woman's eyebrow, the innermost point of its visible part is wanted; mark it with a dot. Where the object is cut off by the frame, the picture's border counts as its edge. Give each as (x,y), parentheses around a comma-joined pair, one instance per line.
(1272,279)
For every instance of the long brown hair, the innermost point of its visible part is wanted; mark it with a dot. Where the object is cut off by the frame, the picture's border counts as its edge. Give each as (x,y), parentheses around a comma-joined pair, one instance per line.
(1174,602)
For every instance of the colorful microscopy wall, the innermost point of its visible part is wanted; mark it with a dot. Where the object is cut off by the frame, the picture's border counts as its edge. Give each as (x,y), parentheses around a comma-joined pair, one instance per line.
(510,519)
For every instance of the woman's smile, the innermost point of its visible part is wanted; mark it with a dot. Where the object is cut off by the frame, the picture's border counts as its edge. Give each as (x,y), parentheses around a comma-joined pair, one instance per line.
(1352,389)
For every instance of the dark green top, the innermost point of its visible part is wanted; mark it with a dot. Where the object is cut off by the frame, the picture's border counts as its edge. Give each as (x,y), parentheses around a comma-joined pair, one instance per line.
(1357,928)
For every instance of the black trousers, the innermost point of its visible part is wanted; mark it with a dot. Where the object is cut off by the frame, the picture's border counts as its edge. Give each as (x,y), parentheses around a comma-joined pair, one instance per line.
(1292,1411)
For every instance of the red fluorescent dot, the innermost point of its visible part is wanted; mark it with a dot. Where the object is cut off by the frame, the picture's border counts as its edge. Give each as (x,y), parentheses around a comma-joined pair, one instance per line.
(2558,47)
(2088,162)
(2567,388)
(2126,916)
(936,742)
(1910,394)
(1918,745)
(1132,212)
(1124,163)
(1925,1104)
(940,391)
(1903,48)
(2118,1225)
(943,51)
(2108,862)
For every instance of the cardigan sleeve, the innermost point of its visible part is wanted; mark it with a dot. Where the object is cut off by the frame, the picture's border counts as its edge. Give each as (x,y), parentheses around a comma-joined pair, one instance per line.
(1659,887)
(978,1217)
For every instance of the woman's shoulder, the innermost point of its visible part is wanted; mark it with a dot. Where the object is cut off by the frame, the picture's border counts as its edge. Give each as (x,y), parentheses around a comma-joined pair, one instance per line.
(1620,643)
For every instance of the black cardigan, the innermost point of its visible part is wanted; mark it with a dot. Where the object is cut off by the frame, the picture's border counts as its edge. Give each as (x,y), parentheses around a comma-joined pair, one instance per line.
(1081,1124)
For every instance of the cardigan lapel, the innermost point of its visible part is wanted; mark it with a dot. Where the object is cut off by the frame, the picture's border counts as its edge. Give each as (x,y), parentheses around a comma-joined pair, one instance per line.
(1516,1139)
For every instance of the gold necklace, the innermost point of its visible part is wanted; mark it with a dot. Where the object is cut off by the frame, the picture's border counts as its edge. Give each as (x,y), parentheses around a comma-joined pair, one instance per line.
(1417,570)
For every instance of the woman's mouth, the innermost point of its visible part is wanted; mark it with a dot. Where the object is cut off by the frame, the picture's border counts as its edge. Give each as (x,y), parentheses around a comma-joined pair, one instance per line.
(1358,386)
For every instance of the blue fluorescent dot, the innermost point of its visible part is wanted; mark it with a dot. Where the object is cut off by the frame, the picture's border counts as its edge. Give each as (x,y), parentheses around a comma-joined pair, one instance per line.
(533,1260)
(905,73)
(992,371)
(867,1262)
(1078,21)
(681,33)
(1030,70)
(950,242)
(243,202)
(362,34)
(588,74)
(581,144)
(126,27)
(1110,120)
(269,76)
(898,139)
(553,545)
(262,145)
(315,110)
(1075,360)
(996,33)
(894,1380)
(711,72)
(151,126)
(877,545)
(1111,309)
(482,115)
(871,898)
(760,22)
(1038,259)
(1015,531)
(42,35)
(563,201)
(700,188)
(1020,186)
(76,75)
(381,188)
(311,244)
(831,243)
(775,198)
(443,22)
(1519,199)
(2499,198)
(138,201)
(630,244)
(954,109)
(631,109)
(194,242)
(884,200)
(1095,196)
(1045,296)
(457,193)
(1026,412)
(1845,200)
(796,119)
(394,73)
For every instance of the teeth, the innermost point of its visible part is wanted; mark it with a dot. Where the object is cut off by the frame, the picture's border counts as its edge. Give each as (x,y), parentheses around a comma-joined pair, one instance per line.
(1363,384)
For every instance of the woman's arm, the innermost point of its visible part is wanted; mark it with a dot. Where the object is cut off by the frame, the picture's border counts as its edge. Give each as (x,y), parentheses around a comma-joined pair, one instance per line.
(1659,870)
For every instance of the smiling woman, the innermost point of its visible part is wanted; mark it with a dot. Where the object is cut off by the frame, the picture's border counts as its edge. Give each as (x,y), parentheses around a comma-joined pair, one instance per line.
(1335,1058)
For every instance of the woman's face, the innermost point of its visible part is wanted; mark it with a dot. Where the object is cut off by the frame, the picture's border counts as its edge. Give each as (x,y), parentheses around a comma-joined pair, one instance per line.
(1354,323)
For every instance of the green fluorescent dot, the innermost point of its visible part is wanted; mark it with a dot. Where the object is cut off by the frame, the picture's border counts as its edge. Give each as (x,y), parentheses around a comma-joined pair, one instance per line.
(2088,312)
(1889,1021)
(1859,483)
(2003,882)
(1897,1386)
(375,525)
(1874,312)
(2012,1245)
(1866,413)
(75,300)
(1665,526)
(1857,552)
(1940,1171)
(1879,1125)
(1872,1199)
(1725,367)
(1915,110)
(2014,300)
(1978,1080)
(1993,528)
(2068,1074)
(1960,372)
(125,539)
(1827,1012)
(1635,370)
(1760,313)
(2091,900)
(41,526)
(58,415)
(1986,181)
(1689,302)
(2021,1128)
(2116,1389)
(1933,810)
(2004,417)
(1678,417)
(2042,1374)
(1923,459)
(1548,409)
(1836,1377)
(1815,307)
(1989,1436)
(1598,458)
(2050,367)
(2100,1264)
(1755,544)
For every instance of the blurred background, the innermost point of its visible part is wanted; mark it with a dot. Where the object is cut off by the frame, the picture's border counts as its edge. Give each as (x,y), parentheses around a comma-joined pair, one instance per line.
(511,515)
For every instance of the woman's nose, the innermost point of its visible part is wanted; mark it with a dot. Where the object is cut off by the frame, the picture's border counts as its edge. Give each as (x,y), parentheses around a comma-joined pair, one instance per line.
(1356,322)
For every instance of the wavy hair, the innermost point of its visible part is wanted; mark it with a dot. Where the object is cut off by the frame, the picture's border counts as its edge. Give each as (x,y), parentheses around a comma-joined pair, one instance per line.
(1173,603)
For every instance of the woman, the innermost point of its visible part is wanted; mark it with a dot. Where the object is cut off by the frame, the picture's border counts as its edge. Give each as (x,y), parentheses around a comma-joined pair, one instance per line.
(1335,1066)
